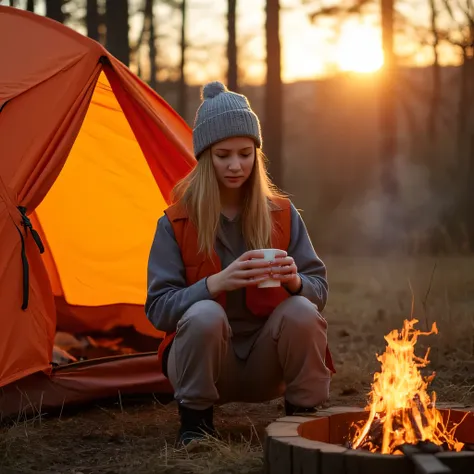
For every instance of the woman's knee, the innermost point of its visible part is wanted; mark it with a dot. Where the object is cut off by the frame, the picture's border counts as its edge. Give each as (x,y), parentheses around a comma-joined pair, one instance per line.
(206,317)
(301,312)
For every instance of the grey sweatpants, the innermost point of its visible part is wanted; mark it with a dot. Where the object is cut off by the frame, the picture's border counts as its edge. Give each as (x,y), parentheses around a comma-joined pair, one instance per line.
(287,358)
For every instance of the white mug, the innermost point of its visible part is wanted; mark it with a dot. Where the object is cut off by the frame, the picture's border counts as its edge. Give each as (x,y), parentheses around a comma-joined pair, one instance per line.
(269,254)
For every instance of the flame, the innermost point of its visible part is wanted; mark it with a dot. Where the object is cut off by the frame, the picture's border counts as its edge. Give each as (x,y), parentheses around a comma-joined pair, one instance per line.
(400,409)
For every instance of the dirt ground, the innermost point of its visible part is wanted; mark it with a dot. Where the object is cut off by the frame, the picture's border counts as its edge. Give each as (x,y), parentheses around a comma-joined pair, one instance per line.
(368,298)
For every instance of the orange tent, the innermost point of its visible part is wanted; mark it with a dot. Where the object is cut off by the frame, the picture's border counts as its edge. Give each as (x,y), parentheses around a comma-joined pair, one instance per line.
(88,156)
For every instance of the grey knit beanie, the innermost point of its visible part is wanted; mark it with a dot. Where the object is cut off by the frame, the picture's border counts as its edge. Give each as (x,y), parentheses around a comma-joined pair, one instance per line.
(223,114)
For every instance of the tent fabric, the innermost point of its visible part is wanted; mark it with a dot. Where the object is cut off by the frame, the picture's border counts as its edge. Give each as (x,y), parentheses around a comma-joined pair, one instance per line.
(100,214)
(81,383)
(92,153)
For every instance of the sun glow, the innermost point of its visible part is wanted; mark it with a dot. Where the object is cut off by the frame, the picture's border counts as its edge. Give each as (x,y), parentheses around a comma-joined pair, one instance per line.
(359,49)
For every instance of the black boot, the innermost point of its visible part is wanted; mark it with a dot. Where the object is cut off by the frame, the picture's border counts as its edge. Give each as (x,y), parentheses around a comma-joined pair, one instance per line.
(195,425)
(293,410)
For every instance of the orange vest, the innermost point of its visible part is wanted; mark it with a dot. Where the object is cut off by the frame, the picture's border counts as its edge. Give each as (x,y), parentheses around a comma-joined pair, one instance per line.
(260,301)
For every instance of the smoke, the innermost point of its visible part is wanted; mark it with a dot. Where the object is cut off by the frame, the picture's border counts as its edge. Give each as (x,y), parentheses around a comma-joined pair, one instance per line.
(400,224)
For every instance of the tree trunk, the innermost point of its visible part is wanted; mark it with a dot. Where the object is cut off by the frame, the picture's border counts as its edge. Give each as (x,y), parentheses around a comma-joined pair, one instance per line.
(232,79)
(92,20)
(273,107)
(54,10)
(469,195)
(182,88)
(139,67)
(152,53)
(388,114)
(116,20)
(463,110)
(469,73)
(436,86)
(12,3)
(30,5)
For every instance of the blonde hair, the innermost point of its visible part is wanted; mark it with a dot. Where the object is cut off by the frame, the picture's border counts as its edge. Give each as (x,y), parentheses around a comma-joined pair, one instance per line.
(199,193)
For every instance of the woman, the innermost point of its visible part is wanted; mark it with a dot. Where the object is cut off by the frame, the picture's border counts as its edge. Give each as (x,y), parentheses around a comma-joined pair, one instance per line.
(227,339)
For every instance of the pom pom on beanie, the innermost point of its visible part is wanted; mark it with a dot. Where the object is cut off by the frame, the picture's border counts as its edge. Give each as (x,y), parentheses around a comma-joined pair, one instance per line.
(211,89)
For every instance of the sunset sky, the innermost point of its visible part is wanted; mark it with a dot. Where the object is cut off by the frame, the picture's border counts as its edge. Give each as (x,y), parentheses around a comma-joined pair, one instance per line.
(308,50)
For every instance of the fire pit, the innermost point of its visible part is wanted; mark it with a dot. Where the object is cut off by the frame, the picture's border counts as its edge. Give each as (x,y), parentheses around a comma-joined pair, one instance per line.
(401,430)
(318,445)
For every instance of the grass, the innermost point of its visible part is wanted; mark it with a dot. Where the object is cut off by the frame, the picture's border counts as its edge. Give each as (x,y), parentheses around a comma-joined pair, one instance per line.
(137,438)
(368,298)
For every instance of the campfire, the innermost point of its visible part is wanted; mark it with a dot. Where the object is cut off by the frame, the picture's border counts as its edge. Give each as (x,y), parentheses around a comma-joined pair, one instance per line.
(401,411)
(400,430)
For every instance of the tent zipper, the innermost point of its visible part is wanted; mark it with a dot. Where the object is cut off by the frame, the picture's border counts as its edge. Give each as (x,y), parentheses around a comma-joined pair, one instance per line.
(26,223)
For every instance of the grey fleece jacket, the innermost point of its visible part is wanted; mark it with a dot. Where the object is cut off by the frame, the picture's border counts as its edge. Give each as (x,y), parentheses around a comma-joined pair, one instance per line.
(169,297)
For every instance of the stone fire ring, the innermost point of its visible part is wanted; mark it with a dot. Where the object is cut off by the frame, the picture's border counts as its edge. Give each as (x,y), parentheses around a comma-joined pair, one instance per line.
(314,445)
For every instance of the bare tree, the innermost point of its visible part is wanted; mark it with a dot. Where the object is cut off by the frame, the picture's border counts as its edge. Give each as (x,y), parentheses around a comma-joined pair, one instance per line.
(433,111)
(152,51)
(463,38)
(92,19)
(150,37)
(116,21)
(182,87)
(387,93)
(149,31)
(435,101)
(388,114)
(232,71)
(135,48)
(30,5)
(461,35)
(54,10)
(341,8)
(12,3)
(273,106)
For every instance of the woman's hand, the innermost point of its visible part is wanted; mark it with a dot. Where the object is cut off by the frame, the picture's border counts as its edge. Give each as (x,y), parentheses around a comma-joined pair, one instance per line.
(286,271)
(248,270)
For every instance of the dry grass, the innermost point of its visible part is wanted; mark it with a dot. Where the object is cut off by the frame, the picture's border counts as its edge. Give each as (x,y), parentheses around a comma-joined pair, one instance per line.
(368,298)
(134,439)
